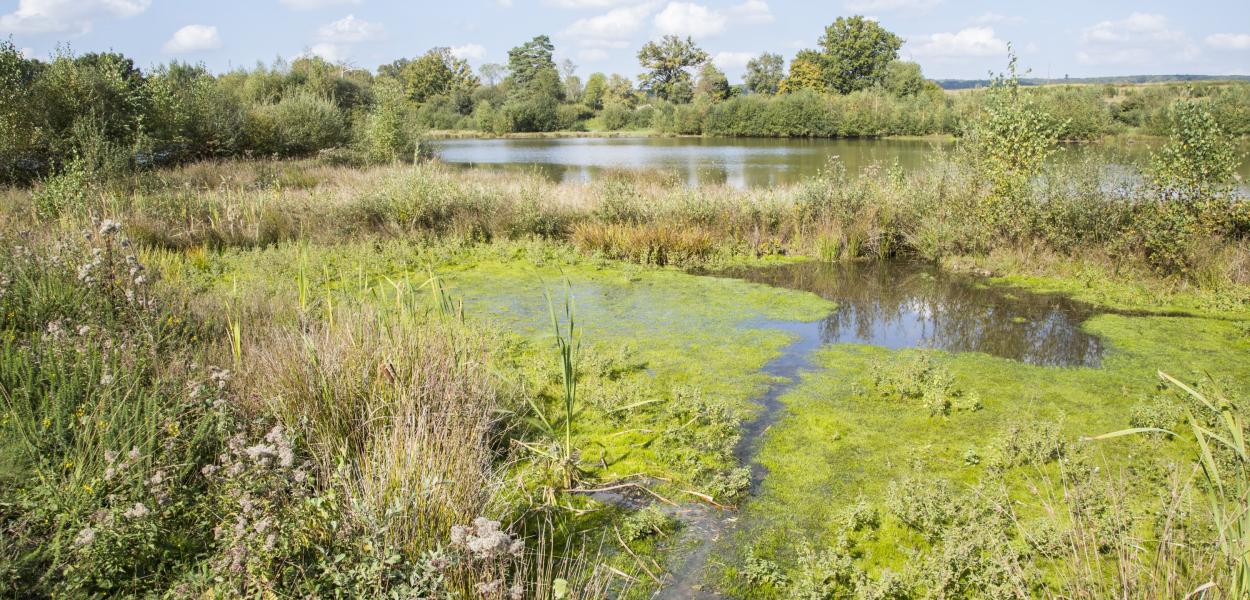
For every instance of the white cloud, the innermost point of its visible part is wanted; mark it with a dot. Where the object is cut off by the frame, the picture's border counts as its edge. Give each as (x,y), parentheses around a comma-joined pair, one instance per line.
(889,5)
(27,53)
(193,38)
(688,18)
(1141,38)
(968,42)
(469,51)
(592,55)
(615,24)
(350,30)
(1229,41)
(752,11)
(335,53)
(697,20)
(991,18)
(315,4)
(71,17)
(732,60)
(580,4)
(1138,26)
(503,3)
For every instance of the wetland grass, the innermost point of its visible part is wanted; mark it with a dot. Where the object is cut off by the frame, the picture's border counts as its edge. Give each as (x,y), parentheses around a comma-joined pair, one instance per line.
(372,438)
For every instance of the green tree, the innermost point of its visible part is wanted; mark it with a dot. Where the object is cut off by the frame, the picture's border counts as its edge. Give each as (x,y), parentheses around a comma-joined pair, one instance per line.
(806,73)
(713,86)
(1199,159)
(436,73)
(572,83)
(593,93)
(530,61)
(1008,143)
(620,92)
(534,87)
(386,135)
(904,79)
(857,53)
(18,133)
(764,73)
(667,64)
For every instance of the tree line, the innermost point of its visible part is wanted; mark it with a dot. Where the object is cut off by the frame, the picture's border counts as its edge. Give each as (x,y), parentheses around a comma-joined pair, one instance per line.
(106,113)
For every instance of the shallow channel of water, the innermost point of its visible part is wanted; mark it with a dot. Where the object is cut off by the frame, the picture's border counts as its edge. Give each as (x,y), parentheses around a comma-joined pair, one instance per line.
(895,305)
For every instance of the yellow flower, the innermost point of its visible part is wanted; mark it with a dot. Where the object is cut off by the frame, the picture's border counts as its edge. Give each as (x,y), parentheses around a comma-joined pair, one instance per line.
(87,488)
(47,422)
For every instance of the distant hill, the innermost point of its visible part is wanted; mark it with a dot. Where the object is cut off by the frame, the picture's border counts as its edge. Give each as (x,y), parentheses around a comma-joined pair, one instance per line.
(963,84)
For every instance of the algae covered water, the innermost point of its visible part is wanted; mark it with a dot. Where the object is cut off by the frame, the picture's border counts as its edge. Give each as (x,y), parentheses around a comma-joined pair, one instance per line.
(759,333)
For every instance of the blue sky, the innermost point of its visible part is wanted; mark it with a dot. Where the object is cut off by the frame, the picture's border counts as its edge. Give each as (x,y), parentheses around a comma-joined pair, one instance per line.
(949,38)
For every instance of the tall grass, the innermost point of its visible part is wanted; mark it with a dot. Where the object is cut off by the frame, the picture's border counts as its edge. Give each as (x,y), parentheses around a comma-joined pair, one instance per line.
(936,212)
(358,454)
(1219,441)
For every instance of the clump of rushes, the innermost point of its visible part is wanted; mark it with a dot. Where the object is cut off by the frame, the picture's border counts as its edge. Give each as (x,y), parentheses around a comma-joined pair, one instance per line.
(560,458)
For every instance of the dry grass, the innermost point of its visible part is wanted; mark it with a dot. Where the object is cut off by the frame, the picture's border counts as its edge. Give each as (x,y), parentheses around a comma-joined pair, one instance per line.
(402,412)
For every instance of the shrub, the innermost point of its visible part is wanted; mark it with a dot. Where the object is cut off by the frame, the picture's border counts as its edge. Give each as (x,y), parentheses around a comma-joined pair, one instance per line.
(297,125)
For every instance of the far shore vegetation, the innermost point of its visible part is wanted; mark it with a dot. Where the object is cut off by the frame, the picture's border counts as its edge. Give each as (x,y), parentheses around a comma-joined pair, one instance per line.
(103,108)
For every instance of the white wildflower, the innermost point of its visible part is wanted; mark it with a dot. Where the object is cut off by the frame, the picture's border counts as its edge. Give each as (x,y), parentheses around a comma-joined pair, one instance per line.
(84,537)
(109,227)
(138,511)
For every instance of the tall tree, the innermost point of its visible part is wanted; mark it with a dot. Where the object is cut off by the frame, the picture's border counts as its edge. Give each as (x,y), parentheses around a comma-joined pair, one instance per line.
(530,60)
(764,73)
(667,63)
(807,72)
(713,86)
(857,53)
(596,87)
(535,89)
(620,91)
(904,79)
(437,73)
(572,83)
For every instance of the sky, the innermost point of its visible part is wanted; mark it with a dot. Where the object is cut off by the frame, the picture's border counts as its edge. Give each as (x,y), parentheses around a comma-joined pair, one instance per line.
(949,38)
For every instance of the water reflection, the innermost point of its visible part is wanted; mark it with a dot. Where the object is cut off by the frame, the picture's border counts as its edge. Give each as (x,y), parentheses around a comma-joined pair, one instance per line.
(737,162)
(906,305)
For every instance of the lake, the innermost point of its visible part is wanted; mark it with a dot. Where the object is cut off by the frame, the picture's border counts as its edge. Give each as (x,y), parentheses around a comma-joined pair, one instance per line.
(737,162)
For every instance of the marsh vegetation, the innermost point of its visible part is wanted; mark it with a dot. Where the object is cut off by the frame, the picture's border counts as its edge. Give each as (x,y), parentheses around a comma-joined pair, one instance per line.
(366,373)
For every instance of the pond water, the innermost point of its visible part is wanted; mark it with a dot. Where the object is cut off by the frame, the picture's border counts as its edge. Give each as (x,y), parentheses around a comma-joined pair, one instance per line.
(737,162)
(914,305)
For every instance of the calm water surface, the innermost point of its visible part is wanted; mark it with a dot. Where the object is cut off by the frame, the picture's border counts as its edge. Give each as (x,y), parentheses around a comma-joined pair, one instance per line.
(738,162)
(908,305)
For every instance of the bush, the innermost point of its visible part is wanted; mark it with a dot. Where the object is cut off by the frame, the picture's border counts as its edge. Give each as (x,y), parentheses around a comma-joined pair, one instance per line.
(295,126)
